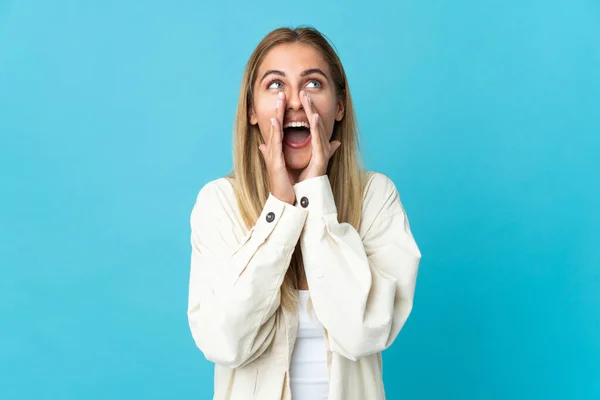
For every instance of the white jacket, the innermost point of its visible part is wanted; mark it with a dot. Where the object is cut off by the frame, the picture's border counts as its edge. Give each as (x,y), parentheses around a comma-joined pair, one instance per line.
(361,283)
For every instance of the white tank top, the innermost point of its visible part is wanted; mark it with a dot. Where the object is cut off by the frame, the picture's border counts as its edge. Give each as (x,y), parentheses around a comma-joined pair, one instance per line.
(309,379)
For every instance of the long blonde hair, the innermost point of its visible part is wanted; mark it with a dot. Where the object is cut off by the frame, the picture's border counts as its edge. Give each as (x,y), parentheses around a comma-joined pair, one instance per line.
(345,171)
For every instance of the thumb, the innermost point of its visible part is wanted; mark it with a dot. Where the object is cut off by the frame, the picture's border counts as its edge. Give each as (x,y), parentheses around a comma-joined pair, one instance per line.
(335,145)
(263,148)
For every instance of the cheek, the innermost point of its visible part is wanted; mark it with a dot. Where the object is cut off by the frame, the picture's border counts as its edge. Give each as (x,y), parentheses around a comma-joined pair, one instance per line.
(262,110)
(263,115)
(327,112)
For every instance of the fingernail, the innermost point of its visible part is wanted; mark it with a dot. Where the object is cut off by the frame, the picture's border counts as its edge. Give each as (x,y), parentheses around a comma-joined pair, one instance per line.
(273,121)
(316,118)
(281,95)
(308,98)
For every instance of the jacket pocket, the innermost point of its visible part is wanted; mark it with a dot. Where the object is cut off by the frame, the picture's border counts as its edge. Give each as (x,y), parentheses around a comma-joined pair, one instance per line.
(255,386)
(243,384)
(269,383)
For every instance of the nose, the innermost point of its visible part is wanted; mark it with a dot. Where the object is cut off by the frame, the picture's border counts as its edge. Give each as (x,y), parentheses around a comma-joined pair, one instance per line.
(293,100)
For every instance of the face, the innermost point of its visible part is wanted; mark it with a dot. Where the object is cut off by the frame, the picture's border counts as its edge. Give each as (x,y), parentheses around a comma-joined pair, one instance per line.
(290,68)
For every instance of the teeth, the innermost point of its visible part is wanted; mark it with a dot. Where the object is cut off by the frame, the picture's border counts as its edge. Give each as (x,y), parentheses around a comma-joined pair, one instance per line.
(296,125)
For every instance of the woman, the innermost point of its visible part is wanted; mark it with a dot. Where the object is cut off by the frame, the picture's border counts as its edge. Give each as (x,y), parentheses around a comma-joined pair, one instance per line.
(298,216)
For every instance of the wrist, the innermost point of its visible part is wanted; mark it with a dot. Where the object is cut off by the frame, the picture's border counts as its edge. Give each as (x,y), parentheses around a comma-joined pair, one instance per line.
(285,198)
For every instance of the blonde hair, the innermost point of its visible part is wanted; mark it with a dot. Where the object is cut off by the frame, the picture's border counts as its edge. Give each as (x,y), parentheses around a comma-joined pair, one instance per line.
(345,171)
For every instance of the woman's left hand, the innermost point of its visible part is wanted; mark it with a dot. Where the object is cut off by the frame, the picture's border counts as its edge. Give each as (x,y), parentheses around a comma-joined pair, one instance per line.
(322,149)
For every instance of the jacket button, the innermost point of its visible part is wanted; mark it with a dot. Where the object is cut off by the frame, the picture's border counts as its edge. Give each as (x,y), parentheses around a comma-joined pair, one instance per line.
(304,202)
(270,217)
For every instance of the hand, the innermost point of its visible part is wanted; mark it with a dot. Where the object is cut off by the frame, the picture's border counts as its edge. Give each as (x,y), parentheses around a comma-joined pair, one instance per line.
(280,181)
(322,149)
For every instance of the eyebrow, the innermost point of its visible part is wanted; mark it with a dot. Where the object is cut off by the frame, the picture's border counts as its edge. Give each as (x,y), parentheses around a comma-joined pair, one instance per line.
(304,73)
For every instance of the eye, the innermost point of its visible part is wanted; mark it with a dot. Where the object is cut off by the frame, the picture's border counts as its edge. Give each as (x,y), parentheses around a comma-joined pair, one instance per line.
(276,84)
(315,84)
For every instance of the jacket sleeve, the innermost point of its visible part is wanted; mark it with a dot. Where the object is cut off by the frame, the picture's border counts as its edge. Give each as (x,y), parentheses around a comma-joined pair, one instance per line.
(234,287)
(362,285)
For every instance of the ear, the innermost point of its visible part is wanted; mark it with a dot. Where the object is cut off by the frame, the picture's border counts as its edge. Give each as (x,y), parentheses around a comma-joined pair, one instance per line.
(252,116)
(339,114)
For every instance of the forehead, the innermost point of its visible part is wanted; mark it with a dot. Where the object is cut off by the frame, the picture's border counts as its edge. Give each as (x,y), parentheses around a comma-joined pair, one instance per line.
(293,59)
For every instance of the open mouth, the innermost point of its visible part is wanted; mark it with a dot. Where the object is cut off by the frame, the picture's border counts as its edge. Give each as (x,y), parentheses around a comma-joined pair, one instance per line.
(296,133)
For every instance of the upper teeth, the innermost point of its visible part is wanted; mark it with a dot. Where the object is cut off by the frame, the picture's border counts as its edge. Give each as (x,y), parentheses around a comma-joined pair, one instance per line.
(296,125)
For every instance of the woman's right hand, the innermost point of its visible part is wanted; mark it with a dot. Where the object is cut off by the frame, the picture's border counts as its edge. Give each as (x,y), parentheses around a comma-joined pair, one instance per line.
(280,182)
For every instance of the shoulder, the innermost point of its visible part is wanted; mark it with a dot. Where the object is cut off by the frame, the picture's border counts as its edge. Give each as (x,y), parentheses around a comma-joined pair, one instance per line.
(216,199)
(380,198)
(216,191)
(216,216)
(379,190)
(378,182)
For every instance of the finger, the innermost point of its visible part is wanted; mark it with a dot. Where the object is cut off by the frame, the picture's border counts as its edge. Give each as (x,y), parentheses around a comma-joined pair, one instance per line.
(316,122)
(307,105)
(316,134)
(279,113)
(277,133)
(335,145)
(322,135)
(271,132)
(281,104)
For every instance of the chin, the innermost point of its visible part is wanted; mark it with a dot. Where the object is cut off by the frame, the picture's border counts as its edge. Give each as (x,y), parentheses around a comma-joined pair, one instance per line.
(296,160)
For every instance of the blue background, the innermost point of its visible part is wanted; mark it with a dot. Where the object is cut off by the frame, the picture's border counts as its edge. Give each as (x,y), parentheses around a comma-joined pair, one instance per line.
(113,114)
